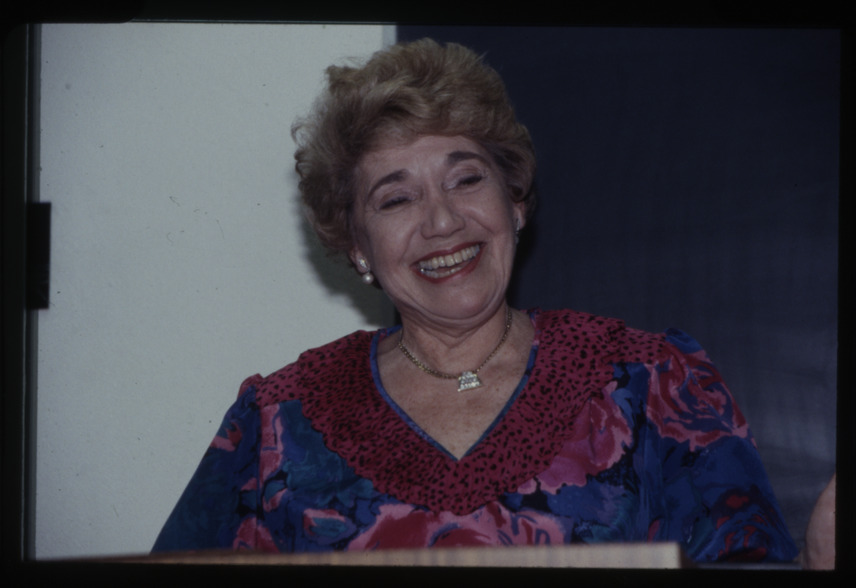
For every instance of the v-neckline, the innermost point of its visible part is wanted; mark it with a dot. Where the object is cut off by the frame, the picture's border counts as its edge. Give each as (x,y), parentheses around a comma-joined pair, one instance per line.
(422,433)
(336,388)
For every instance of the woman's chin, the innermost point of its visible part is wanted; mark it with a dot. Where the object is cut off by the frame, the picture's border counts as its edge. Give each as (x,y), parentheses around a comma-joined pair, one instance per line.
(457,308)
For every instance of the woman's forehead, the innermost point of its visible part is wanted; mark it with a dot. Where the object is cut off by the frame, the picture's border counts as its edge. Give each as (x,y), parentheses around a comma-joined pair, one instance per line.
(424,149)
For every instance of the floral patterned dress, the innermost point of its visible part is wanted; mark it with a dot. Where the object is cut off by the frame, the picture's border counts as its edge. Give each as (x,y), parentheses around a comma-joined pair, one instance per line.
(613,434)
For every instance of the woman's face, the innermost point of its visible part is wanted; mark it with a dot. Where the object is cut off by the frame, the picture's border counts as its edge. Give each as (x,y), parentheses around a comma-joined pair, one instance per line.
(434,221)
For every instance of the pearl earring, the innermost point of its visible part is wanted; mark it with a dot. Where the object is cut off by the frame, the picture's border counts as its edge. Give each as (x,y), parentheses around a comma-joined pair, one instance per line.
(367,277)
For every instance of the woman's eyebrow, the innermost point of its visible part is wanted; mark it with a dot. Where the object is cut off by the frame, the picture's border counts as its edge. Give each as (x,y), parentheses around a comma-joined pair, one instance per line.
(396,176)
(457,156)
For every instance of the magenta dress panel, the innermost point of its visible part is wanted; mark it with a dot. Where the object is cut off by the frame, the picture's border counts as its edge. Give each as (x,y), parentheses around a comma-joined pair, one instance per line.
(613,434)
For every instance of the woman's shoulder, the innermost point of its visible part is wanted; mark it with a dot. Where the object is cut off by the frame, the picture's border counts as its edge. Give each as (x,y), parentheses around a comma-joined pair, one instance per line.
(599,336)
(333,363)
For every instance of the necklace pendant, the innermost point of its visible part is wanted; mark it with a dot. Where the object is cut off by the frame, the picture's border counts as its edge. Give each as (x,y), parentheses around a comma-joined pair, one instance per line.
(468,381)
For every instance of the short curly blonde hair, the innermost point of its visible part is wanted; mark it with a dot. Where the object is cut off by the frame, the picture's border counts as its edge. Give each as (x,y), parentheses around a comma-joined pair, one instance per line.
(407,90)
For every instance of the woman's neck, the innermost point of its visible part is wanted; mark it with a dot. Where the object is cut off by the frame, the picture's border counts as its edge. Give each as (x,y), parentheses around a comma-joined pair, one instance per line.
(457,347)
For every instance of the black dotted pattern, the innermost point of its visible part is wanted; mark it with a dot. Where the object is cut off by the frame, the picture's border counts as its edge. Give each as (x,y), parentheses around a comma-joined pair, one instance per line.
(574,363)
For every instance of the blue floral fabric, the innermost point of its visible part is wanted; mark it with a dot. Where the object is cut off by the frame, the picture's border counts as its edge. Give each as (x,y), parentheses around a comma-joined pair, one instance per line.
(657,452)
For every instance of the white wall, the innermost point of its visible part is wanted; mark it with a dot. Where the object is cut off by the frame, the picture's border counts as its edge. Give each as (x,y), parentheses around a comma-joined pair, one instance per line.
(180,264)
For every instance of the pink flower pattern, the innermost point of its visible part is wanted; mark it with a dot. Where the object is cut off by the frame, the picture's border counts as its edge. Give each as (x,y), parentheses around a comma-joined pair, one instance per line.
(692,403)
(600,437)
(403,526)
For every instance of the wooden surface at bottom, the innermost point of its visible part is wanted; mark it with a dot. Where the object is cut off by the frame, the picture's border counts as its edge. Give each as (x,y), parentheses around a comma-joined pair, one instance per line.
(605,555)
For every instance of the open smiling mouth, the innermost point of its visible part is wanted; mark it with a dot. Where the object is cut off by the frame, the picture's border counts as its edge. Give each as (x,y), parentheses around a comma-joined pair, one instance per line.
(446,265)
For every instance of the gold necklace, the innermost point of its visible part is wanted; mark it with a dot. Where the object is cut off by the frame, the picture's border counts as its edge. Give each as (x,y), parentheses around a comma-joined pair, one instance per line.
(467,380)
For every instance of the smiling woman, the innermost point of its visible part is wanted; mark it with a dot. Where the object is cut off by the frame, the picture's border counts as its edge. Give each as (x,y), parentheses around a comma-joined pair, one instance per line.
(437,230)
(471,423)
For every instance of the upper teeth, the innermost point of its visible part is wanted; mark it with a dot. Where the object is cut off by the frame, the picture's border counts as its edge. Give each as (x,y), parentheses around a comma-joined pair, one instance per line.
(449,260)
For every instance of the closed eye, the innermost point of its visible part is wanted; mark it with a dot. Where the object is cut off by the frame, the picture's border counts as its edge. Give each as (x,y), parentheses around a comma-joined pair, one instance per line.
(467,181)
(470,180)
(393,202)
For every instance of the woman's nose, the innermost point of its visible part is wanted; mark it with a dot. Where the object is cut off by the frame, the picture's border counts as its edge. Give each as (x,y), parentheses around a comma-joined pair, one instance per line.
(441,217)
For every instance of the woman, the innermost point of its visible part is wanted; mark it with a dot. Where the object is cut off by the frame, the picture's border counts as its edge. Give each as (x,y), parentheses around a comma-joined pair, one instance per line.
(472,423)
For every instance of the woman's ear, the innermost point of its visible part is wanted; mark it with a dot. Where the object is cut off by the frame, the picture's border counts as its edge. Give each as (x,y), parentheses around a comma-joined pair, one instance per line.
(358,259)
(353,255)
(519,216)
